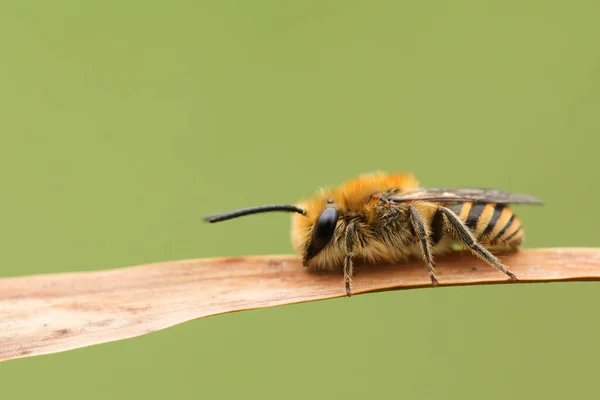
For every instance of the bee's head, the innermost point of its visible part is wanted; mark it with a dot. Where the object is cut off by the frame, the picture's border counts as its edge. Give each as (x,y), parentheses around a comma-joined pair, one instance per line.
(313,227)
(315,235)
(310,235)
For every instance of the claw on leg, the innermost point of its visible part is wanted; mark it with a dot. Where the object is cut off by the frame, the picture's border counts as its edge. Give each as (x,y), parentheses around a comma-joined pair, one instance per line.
(434,281)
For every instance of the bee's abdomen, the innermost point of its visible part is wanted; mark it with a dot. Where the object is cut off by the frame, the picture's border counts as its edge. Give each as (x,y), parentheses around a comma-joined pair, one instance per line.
(493,224)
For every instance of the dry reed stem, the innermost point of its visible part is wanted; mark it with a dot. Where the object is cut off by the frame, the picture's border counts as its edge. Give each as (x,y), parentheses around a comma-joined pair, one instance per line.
(53,313)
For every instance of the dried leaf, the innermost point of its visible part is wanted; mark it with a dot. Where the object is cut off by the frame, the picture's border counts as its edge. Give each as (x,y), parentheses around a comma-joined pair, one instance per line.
(53,313)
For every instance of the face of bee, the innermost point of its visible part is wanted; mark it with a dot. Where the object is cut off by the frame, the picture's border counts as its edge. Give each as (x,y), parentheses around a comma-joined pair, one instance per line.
(314,235)
(322,232)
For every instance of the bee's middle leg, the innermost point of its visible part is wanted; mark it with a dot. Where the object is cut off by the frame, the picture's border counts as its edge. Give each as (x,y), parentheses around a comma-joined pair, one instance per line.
(424,240)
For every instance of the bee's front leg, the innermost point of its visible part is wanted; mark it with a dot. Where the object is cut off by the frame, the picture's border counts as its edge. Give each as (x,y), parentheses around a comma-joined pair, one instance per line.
(348,264)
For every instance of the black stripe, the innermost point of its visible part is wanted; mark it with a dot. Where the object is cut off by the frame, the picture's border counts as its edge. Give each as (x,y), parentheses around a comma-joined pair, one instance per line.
(474,214)
(512,234)
(494,220)
(508,223)
(436,227)
(457,208)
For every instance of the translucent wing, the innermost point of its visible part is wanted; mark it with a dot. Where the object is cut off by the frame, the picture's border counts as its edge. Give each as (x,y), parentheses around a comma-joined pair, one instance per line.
(474,195)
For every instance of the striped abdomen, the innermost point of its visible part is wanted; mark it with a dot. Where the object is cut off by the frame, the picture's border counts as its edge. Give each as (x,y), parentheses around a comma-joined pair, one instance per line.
(491,224)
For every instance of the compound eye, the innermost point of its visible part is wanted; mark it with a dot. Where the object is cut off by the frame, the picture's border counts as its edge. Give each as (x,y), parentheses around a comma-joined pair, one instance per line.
(324,228)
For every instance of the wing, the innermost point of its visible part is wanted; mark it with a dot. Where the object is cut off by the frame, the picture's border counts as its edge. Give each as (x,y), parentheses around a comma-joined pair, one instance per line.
(474,195)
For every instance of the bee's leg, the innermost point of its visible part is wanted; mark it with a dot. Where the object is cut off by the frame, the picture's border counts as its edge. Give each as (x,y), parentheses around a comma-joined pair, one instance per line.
(419,227)
(348,265)
(466,237)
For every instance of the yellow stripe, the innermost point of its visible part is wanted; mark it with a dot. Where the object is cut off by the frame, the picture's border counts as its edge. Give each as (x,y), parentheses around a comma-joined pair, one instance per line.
(485,217)
(518,237)
(514,226)
(464,213)
(504,217)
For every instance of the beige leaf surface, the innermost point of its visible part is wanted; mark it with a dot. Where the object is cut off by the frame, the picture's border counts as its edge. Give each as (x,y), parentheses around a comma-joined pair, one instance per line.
(52,313)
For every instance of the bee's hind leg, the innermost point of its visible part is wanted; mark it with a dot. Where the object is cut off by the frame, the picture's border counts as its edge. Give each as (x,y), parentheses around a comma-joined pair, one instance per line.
(465,236)
(424,240)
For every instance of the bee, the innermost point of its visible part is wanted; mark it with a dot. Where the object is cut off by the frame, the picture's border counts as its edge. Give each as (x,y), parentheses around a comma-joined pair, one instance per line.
(387,218)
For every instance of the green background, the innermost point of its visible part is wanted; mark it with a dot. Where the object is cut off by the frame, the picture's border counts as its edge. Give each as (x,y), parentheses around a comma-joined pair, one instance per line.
(124,123)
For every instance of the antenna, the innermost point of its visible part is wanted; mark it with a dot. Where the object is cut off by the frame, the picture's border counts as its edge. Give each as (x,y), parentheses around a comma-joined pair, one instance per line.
(254,210)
